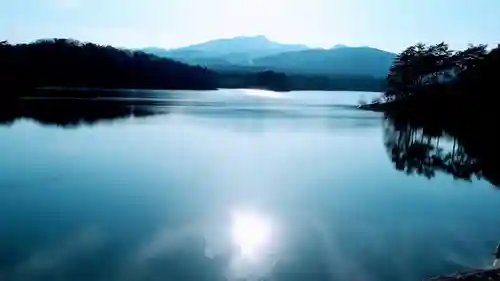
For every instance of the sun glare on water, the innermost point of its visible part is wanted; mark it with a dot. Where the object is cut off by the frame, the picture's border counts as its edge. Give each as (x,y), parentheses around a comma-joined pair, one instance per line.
(264,94)
(251,233)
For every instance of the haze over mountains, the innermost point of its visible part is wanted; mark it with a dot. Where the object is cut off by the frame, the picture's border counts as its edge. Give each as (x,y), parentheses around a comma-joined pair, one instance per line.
(258,53)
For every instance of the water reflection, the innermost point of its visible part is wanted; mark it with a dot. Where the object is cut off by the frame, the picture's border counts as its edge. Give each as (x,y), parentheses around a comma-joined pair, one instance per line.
(216,195)
(186,261)
(70,112)
(424,149)
(72,108)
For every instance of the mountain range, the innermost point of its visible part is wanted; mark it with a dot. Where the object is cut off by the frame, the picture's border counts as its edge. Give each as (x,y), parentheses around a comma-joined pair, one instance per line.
(258,53)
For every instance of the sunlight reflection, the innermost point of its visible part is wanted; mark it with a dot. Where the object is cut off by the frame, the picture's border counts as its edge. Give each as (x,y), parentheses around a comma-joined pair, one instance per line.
(251,233)
(264,93)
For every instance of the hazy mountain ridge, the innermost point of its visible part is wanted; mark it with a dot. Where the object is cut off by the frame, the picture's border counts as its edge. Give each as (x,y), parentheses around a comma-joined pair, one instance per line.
(340,60)
(255,46)
(239,50)
(257,53)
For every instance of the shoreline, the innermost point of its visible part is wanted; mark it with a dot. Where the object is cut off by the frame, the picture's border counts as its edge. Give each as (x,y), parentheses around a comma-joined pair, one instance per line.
(475,275)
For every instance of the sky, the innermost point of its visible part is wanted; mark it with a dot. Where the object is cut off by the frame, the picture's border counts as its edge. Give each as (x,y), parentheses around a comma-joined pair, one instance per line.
(386,24)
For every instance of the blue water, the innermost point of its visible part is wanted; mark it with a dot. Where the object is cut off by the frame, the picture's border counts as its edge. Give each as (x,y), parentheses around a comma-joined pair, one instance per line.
(231,185)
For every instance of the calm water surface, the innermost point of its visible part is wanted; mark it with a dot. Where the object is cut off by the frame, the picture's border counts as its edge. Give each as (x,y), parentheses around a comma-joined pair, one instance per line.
(228,185)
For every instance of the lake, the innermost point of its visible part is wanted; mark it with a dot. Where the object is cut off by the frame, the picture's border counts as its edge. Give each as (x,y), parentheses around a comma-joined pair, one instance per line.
(233,185)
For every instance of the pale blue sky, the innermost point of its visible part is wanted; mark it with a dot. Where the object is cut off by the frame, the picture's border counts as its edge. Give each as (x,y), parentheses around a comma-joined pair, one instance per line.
(386,24)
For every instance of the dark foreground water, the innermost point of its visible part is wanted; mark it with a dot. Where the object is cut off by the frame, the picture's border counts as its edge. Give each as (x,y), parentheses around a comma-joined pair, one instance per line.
(234,185)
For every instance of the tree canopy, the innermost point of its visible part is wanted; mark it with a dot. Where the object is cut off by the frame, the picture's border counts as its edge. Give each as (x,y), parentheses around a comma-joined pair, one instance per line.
(420,67)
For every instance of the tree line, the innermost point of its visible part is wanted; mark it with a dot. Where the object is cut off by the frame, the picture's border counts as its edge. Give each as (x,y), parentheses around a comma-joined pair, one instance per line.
(278,81)
(70,63)
(429,69)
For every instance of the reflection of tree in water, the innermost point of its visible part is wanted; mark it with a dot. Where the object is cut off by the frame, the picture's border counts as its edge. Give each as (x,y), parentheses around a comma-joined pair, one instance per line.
(423,150)
(68,112)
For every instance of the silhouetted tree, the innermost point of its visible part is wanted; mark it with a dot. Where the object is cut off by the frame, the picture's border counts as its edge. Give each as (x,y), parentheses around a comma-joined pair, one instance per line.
(422,69)
(418,66)
(469,58)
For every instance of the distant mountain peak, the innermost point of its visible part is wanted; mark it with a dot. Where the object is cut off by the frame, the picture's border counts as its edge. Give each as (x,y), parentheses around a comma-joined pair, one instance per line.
(236,49)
